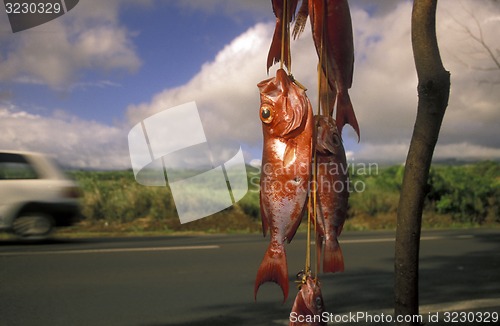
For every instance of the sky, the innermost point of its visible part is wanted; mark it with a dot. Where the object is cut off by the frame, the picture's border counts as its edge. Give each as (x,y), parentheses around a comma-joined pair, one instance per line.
(75,86)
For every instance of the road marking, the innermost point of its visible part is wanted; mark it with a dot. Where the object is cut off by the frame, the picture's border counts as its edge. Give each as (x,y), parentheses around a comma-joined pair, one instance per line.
(152,249)
(461,305)
(109,250)
(466,305)
(465,236)
(388,239)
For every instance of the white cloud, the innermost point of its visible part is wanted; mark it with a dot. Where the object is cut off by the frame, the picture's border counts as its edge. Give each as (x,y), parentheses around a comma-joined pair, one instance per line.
(54,53)
(225,91)
(231,7)
(473,114)
(384,89)
(466,151)
(384,83)
(74,142)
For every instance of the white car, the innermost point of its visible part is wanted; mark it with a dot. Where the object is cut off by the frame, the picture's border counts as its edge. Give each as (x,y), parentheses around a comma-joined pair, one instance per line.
(35,195)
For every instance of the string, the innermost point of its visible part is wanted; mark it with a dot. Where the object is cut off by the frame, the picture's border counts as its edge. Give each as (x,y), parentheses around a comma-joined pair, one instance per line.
(313,201)
(307,267)
(288,39)
(283,32)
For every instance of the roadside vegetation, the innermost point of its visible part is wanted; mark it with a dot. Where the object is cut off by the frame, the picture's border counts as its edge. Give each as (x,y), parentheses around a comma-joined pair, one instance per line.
(458,196)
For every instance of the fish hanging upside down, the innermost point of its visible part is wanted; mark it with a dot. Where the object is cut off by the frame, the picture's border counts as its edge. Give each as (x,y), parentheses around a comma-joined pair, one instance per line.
(332,34)
(287,124)
(308,307)
(332,192)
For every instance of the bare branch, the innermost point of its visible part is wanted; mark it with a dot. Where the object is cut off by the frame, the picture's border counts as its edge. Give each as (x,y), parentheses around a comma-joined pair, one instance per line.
(479,38)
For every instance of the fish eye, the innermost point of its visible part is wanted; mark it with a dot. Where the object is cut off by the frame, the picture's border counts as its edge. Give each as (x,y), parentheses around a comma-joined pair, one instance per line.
(336,140)
(266,113)
(319,303)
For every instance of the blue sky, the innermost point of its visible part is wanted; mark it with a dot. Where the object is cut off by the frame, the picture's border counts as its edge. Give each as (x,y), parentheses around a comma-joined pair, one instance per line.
(170,41)
(75,86)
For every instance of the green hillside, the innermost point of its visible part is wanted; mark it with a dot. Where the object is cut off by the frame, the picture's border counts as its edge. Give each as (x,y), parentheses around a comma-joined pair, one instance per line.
(458,195)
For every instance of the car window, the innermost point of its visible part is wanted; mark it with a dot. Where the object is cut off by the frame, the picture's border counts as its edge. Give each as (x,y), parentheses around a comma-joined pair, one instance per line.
(15,166)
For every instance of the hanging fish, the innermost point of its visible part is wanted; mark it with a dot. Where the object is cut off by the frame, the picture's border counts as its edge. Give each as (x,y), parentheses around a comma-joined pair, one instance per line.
(287,125)
(332,192)
(308,306)
(332,34)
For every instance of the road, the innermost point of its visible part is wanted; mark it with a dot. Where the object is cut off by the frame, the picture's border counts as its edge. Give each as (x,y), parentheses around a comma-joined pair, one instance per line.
(208,280)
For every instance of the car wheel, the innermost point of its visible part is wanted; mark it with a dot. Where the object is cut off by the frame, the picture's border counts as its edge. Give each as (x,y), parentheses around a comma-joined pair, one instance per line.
(33,225)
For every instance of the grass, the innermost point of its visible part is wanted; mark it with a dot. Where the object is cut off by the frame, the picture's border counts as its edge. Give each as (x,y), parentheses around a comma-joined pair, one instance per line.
(116,205)
(359,224)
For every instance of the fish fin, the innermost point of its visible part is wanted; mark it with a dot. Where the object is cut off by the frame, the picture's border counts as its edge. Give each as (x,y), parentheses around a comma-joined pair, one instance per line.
(333,261)
(292,229)
(319,250)
(301,19)
(273,269)
(290,153)
(328,94)
(299,307)
(345,113)
(320,235)
(264,218)
(274,54)
(339,229)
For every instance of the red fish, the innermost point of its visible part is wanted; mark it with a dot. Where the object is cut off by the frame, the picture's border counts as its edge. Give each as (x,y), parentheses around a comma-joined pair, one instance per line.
(287,125)
(333,38)
(332,192)
(281,26)
(308,306)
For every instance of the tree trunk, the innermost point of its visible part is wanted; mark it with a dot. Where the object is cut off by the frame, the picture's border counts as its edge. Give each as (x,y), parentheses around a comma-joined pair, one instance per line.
(433,93)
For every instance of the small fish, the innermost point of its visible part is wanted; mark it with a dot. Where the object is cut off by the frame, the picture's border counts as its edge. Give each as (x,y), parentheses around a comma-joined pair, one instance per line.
(308,306)
(332,192)
(332,34)
(287,125)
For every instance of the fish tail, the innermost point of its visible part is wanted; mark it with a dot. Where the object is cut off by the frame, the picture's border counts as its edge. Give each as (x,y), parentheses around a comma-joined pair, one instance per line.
(275,49)
(333,261)
(263,214)
(345,113)
(273,269)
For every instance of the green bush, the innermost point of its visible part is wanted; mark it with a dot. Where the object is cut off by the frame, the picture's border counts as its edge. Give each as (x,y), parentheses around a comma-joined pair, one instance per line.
(116,197)
(468,193)
(375,193)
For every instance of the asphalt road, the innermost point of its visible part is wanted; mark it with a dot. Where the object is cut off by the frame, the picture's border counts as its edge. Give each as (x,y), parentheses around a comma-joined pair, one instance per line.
(208,280)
